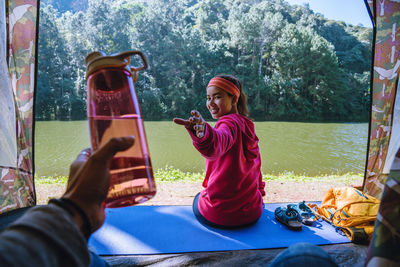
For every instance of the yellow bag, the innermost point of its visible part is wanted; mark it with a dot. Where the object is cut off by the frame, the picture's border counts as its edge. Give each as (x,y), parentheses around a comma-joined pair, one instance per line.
(350,210)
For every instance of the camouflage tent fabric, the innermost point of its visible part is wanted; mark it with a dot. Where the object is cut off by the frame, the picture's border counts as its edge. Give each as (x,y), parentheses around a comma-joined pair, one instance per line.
(386,69)
(384,246)
(16,182)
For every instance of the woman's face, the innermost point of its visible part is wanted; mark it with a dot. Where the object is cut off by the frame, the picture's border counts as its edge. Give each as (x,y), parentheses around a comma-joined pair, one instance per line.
(219,102)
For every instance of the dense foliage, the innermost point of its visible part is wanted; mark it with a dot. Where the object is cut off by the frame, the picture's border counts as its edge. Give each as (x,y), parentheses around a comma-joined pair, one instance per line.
(293,64)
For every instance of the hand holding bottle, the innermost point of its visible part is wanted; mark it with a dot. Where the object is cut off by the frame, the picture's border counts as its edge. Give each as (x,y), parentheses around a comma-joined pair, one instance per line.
(89,178)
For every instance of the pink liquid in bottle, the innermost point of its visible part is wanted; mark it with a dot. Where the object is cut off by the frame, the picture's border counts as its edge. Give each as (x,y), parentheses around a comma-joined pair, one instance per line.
(114,111)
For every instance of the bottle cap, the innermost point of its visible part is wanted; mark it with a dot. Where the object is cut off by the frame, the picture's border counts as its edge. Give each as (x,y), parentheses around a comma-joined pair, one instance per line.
(98,60)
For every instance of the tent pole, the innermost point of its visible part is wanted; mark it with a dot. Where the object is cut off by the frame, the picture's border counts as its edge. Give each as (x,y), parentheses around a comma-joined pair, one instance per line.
(373,18)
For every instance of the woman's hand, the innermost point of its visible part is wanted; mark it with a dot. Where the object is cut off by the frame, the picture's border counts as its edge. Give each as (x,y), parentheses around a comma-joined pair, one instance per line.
(89,179)
(196,123)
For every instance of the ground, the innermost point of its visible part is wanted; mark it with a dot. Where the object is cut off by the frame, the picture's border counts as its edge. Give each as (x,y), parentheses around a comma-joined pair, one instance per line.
(182,193)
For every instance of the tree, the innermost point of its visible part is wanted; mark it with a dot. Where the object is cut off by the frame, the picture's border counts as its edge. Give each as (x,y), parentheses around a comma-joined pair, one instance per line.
(53,69)
(308,68)
(293,64)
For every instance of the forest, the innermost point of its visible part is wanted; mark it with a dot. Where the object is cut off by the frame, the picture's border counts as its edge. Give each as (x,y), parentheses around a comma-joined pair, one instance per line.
(294,64)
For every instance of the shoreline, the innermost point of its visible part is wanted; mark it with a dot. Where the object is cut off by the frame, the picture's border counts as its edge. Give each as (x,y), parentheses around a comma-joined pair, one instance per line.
(181,192)
(175,175)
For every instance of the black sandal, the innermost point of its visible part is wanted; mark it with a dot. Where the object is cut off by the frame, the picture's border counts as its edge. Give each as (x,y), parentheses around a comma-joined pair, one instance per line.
(307,215)
(288,217)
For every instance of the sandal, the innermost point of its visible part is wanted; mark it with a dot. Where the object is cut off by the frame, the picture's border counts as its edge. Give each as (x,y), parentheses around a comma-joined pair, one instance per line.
(307,215)
(288,217)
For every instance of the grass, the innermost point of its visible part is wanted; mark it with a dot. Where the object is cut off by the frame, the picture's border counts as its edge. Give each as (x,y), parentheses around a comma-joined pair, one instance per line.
(347,178)
(55,180)
(171,174)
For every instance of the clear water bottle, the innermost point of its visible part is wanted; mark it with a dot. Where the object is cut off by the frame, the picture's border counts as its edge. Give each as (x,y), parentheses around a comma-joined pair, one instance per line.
(113,111)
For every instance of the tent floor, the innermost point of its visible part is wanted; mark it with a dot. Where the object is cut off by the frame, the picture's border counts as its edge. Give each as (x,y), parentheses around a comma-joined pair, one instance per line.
(348,254)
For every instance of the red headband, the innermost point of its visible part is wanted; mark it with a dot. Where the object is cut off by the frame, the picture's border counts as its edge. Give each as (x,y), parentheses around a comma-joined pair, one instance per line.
(225,85)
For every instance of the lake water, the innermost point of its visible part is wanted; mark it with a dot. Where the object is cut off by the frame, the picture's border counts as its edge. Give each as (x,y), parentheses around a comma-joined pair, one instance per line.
(301,148)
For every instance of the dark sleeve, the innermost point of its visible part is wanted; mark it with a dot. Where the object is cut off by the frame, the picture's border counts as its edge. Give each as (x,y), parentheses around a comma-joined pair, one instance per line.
(216,141)
(384,247)
(44,236)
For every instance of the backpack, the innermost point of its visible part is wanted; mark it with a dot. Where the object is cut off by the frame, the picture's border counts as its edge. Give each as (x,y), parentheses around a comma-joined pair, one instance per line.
(351,211)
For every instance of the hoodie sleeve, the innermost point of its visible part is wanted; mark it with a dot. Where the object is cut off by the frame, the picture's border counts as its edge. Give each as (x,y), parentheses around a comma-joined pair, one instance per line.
(216,141)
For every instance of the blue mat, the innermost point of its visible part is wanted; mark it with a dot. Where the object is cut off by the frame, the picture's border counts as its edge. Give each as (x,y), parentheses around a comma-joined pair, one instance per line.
(174,229)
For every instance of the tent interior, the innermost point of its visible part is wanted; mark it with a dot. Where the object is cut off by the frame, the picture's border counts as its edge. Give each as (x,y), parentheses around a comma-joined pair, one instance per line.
(18,70)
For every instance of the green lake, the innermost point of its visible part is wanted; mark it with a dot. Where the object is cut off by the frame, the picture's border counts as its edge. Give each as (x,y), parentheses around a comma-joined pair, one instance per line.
(301,148)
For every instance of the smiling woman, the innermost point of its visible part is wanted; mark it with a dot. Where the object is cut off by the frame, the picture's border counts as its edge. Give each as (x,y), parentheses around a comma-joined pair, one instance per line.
(233,179)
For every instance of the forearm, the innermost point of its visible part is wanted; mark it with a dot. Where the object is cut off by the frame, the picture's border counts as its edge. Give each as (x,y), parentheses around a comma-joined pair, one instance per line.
(203,144)
(215,142)
(44,236)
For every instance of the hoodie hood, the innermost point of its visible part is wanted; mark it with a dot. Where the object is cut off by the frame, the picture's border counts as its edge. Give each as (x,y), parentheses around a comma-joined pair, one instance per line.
(249,137)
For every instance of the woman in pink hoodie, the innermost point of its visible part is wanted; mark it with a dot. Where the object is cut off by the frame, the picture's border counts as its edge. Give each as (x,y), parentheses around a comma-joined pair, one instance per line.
(233,183)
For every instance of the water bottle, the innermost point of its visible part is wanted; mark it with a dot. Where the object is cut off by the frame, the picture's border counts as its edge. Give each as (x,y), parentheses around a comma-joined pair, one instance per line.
(113,111)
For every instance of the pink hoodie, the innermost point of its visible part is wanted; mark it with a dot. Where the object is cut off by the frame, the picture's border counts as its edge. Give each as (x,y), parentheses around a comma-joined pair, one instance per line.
(233,183)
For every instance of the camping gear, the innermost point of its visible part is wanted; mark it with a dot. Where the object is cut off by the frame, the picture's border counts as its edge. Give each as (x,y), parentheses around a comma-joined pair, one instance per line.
(307,214)
(137,230)
(350,211)
(288,217)
(113,111)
